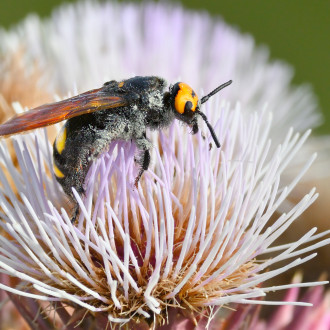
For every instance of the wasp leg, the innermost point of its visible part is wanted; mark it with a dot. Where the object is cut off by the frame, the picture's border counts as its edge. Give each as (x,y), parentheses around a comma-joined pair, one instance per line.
(75,213)
(143,144)
(76,209)
(144,167)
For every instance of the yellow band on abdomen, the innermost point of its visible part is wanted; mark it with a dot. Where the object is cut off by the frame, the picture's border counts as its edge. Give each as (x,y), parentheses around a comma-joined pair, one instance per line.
(58,172)
(60,140)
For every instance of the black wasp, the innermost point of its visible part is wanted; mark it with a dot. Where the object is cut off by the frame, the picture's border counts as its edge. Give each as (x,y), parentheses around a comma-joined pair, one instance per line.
(118,110)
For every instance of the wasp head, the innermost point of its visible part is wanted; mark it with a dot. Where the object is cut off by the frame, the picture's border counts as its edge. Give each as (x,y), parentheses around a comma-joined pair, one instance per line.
(187,106)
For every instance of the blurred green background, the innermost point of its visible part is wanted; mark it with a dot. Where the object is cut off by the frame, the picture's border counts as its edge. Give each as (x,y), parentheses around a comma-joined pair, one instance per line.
(296,31)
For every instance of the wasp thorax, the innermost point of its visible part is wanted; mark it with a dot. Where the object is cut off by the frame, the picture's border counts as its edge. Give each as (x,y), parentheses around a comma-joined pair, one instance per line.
(185,99)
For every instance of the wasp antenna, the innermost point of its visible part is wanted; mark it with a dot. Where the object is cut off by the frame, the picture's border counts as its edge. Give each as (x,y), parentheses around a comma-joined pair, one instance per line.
(216,141)
(206,97)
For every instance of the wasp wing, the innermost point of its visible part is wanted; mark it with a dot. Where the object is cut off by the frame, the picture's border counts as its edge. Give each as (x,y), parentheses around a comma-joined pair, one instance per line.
(52,113)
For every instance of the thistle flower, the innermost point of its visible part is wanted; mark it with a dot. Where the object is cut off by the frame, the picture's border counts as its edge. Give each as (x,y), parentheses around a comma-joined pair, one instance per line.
(196,233)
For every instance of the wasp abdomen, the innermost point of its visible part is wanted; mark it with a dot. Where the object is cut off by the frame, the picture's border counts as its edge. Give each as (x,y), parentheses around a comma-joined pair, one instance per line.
(84,138)
(72,149)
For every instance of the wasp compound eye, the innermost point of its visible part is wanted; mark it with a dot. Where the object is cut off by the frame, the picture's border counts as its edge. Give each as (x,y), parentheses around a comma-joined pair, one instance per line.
(185,99)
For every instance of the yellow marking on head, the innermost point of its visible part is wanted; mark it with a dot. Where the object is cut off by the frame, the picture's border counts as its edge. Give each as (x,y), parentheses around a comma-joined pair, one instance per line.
(60,140)
(58,173)
(121,84)
(184,95)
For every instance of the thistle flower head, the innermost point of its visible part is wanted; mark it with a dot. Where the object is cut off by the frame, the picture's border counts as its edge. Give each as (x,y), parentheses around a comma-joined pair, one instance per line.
(196,233)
